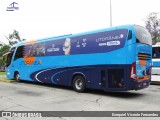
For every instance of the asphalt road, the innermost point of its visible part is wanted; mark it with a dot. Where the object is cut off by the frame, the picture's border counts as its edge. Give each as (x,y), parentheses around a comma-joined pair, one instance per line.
(24,96)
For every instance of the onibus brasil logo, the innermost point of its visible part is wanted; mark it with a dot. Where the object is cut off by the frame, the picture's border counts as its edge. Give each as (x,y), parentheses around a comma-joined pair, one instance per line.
(13,6)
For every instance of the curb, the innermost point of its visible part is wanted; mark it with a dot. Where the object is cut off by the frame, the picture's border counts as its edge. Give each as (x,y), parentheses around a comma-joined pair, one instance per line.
(9,81)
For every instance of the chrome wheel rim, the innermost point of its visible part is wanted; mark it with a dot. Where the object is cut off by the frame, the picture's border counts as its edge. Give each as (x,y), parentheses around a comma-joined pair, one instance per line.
(17,77)
(79,84)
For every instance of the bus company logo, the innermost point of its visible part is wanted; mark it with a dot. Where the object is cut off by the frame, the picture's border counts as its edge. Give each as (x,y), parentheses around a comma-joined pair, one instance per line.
(12,7)
(116,37)
(6,114)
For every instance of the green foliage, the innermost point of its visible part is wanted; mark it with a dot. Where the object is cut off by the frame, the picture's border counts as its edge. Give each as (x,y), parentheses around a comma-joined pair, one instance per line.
(2,62)
(3,50)
(2,73)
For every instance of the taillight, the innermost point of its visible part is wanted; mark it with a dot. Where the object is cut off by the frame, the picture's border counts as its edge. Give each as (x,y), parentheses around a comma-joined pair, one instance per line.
(133,71)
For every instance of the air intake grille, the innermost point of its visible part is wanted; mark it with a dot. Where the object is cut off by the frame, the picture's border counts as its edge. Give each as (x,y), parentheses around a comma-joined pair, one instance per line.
(144,56)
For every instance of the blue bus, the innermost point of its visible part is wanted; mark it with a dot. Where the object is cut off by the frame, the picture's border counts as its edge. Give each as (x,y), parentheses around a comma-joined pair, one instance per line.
(111,59)
(156,59)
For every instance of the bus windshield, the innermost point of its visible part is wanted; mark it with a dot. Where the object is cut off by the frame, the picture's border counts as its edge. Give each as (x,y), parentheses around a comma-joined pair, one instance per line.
(9,59)
(9,56)
(142,35)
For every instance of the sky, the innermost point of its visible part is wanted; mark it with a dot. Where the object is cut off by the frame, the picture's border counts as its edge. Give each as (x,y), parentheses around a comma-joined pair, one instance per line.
(36,19)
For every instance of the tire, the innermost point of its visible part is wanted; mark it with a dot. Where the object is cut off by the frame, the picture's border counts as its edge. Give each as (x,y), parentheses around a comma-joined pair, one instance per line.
(79,84)
(17,77)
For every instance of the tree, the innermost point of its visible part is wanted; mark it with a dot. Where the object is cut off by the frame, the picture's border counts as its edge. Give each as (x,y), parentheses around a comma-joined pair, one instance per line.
(14,38)
(1,62)
(3,50)
(152,23)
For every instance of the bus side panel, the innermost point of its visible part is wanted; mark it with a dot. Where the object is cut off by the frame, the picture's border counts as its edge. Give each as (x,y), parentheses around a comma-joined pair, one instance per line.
(60,76)
(102,77)
(95,82)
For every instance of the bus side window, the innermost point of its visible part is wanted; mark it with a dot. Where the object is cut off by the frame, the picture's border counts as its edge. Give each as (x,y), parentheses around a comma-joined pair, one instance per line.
(19,52)
(158,53)
(130,35)
(154,53)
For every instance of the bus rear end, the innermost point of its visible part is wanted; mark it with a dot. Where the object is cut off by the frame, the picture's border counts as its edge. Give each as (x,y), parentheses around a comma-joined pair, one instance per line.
(141,68)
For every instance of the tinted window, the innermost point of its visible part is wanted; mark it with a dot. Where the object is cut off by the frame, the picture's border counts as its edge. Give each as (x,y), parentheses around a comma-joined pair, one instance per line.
(156,52)
(9,58)
(142,35)
(19,52)
(130,35)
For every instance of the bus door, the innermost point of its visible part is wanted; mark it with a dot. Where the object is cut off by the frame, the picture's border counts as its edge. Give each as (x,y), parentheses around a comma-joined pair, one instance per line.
(99,78)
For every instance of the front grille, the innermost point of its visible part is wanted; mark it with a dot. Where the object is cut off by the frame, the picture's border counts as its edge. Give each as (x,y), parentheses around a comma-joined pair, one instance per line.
(144,56)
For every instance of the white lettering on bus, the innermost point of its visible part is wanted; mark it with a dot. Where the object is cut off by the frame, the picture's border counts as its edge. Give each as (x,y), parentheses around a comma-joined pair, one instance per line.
(53,49)
(110,43)
(103,39)
(113,43)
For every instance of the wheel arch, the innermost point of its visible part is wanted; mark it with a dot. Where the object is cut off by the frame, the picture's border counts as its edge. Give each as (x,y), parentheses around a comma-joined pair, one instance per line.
(78,74)
(15,72)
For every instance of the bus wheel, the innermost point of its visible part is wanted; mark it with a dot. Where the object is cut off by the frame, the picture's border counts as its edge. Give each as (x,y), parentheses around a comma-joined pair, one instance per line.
(79,83)
(17,77)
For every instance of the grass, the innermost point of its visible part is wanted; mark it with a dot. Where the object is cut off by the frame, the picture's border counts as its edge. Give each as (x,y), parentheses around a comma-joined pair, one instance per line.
(3,77)
(2,73)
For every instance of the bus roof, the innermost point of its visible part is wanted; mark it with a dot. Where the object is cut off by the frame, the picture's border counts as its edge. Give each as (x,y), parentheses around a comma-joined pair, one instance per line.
(78,34)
